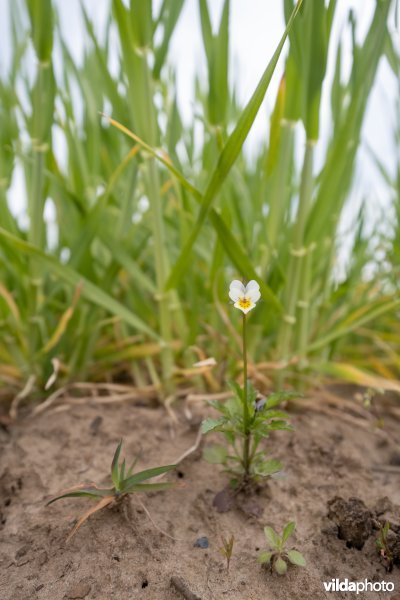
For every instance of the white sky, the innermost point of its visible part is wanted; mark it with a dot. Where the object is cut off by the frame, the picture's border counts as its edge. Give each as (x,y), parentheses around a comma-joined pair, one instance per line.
(255,29)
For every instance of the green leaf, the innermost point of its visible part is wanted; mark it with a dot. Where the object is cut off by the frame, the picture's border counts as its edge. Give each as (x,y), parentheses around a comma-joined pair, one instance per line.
(272,537)
(146,474)
(212,424)
(114,467)
(268,467)
(251,392)
(296,558)
(133,465)
(215,454)
(89,290)
(228,241)
(149,487)
(240,259)
(273,414)
(122,471)
(173,10)
(228,156)
(278,397)
(279,426)
(265,557)
(41,15)
(219,406)
(288,531)
(236,389)
(280,566)
(88,492)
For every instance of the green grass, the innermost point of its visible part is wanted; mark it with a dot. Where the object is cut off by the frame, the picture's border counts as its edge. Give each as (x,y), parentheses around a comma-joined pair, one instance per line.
(116,297)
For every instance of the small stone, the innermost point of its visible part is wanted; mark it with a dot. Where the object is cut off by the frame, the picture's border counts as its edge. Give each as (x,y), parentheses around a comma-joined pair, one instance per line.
(201,542)
(78,591)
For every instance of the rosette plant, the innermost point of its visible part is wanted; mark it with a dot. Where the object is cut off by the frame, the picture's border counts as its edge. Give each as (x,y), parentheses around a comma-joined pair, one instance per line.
(124,482)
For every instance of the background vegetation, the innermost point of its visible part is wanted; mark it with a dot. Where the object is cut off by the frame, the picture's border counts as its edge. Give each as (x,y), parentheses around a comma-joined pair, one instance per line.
(151,218)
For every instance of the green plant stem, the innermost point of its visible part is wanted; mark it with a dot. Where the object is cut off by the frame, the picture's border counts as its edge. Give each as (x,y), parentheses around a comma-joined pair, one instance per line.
(36,206)
(279,198)
(298,253)
(246,419)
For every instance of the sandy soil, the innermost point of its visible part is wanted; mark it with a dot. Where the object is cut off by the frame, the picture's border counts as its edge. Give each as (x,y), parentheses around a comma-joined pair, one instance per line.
(119,554)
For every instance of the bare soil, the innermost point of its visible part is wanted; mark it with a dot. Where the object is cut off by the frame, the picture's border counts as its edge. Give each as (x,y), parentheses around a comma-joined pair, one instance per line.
(335,451)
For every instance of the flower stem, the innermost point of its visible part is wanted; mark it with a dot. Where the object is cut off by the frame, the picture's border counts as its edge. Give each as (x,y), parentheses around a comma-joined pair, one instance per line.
(246,419)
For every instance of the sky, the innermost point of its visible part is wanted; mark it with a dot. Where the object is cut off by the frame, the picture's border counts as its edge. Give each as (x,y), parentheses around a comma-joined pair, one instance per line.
(255,29)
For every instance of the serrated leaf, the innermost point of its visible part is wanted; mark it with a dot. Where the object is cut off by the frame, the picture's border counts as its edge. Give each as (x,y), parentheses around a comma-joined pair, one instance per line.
(251,392)
(215,455)
(274,414)
(212,424)
(296,558)
(268,467)
(280,566)
(236,389)
(288,531)
(272,537)
(279,426)
(265,557)
(278,397)
(219,406)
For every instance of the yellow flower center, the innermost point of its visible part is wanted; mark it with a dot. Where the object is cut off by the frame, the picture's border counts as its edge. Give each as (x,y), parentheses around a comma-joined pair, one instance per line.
(244,302)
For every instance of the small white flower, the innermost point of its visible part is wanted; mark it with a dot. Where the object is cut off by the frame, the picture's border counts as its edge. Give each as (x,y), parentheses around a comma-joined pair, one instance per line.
(244,297)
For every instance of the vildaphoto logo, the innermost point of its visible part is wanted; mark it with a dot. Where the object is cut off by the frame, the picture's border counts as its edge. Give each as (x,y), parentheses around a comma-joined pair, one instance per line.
(344,585)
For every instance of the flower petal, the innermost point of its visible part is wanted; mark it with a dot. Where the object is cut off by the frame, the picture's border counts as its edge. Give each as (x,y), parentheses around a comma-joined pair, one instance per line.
(254,295)
(235,294)
(236,290)
(252,284)
(244,310)
(253,291)
(237,284)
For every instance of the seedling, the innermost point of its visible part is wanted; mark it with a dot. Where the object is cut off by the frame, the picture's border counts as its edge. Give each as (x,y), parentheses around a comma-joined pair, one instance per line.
(124,483)
(227,549)
(278,557)
(383,546)
(246,420)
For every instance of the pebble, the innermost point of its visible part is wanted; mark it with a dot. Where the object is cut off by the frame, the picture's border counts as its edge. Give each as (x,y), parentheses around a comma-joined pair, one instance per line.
(201,542)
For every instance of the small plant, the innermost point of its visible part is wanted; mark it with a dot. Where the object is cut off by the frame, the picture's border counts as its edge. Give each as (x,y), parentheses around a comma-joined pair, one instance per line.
(277,557)
(124,483)
(227,549)
(245,419)
(383,546)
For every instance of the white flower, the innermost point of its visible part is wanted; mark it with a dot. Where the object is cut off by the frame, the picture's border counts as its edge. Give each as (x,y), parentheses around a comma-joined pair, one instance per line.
(244,297)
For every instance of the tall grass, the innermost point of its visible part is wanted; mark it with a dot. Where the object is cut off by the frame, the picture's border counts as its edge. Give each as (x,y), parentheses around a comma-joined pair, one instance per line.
(150,224)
